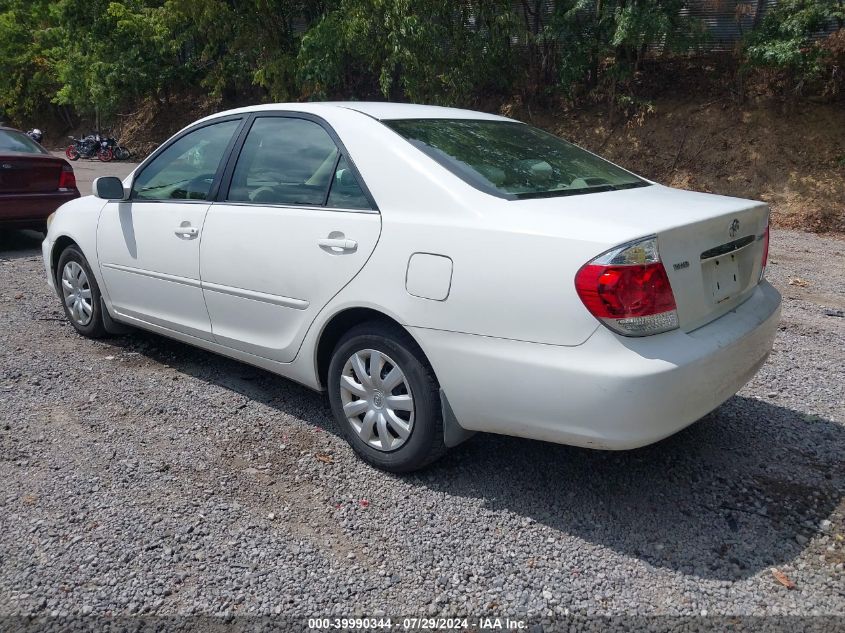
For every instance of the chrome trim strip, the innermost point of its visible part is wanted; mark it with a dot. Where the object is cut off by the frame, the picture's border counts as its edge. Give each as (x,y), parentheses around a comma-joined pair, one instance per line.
(287,302)
(297,207)
(728,248)
(185,281)
(163,201)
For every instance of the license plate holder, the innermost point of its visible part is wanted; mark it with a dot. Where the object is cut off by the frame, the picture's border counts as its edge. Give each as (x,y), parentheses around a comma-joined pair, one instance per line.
(724,277)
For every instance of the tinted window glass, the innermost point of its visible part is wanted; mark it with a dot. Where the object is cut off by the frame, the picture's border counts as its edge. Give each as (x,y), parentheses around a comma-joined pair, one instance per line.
(284,161)
(346,193)
(513,159)
(16,142)
(186,169)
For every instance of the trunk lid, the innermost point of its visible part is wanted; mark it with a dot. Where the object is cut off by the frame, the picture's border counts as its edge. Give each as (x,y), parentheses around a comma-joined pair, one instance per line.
(29,173)
(711,246)
(714,264)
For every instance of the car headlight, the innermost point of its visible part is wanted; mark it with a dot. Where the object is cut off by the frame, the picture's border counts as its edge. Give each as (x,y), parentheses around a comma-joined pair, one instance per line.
(50,219)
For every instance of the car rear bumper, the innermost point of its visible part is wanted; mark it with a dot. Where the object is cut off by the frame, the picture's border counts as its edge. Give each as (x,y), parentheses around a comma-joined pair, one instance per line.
(610,392)
(31,209)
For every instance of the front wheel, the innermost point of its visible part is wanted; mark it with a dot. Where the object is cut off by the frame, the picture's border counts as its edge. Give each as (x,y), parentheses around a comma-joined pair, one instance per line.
(80,293)
(72,153)
(105,154)
(385,397)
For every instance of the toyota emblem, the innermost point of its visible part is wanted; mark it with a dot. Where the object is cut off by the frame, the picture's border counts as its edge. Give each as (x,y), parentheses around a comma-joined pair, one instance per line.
(734,228)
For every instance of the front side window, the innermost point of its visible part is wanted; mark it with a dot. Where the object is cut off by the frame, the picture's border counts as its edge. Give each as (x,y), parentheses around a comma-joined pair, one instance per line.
(186,169)
(513,160)
(291,161)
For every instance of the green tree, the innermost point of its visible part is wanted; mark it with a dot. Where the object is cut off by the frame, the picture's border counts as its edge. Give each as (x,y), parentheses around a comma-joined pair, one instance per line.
(27,73)
(111,54)
(783,38)
(425,50)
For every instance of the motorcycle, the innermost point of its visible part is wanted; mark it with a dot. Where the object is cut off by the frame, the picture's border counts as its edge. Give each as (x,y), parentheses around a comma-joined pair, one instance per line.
(90,146)
(35,134)
(118,151)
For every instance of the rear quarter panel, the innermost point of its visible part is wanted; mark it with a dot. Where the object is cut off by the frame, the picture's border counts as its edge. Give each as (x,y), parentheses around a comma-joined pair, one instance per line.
(512,273)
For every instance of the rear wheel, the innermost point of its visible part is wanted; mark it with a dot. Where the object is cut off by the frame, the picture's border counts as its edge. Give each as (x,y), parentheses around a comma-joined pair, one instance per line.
(72,153)
(105,154)
(80,293)
(385,397)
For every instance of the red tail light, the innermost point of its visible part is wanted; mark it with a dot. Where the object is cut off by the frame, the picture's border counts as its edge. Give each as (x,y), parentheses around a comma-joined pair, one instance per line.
(67,180)
(628,290)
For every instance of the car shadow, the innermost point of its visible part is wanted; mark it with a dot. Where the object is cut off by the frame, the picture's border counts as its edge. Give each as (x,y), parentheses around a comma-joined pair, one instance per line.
(742,490)
(19,244)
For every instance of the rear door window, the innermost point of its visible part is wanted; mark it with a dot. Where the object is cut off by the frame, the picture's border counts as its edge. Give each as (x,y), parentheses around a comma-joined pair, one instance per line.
(293,161)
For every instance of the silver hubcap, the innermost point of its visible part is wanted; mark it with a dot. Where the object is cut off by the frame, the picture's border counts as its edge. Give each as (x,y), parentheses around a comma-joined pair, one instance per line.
(77,293)
(377,399)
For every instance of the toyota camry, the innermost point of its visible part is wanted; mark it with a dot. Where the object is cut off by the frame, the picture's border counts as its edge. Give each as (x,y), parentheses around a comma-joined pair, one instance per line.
(436,271)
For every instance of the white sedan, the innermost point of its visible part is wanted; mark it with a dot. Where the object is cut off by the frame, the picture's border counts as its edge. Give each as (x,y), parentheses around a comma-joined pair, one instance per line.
(437,271)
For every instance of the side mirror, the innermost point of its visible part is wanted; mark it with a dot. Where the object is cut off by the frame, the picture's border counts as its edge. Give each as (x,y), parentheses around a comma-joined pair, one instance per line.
(109,188)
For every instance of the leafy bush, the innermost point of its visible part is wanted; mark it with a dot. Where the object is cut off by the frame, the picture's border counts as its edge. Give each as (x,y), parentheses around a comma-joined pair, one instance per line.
(27,81)
(110,54)
(783,40)
(423,50)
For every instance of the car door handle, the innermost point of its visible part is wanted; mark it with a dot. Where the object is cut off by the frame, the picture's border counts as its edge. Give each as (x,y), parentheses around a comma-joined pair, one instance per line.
(187,232)
(341,243)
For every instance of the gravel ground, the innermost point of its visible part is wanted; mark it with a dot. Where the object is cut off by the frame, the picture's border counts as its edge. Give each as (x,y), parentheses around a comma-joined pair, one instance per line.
(147,477)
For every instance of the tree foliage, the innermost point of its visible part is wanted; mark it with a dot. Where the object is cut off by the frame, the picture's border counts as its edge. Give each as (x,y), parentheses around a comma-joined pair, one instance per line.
(101,57)
(27,74)
(783,40)
(429,51)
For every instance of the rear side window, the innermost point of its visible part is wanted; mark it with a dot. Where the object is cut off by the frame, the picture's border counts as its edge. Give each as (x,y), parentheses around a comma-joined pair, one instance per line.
(11,141)
(291,161)
(346,193)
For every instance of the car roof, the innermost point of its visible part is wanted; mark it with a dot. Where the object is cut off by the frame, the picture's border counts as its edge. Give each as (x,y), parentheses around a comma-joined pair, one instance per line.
(385,111)
(381,110)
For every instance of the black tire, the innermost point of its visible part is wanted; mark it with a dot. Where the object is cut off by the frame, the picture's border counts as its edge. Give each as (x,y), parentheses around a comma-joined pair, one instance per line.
(93,328)
(425,443)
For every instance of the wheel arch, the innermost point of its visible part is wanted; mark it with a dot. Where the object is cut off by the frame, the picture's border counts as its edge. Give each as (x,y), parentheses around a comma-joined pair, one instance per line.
(339,324)
(59,246)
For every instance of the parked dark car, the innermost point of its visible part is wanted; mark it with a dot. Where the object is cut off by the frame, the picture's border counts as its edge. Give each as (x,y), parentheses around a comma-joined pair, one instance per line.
(33,183)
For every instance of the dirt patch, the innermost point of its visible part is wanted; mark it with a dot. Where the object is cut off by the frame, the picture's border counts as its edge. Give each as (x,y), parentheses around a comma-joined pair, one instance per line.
(794,159)
(154,121)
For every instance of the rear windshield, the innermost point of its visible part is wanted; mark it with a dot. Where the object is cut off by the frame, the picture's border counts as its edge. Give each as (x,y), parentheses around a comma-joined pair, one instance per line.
(513,160)
(11,141)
